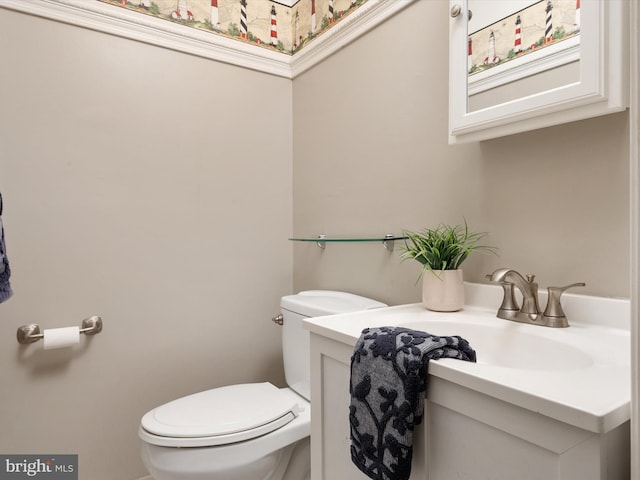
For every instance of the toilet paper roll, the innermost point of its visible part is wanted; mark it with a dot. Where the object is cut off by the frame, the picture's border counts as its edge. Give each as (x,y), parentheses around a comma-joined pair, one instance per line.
(61,337)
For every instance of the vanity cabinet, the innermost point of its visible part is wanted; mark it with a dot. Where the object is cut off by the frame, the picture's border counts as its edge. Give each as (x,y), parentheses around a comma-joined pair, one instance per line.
(466,433)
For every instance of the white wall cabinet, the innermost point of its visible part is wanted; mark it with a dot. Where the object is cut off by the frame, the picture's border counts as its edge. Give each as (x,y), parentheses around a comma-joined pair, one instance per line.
(507,75)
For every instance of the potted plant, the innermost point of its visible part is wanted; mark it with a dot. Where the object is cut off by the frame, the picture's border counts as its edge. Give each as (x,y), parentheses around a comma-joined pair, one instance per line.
(441,251)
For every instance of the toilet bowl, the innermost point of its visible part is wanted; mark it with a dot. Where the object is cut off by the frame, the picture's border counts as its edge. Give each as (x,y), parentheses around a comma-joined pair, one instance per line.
(174,447)
(253,431)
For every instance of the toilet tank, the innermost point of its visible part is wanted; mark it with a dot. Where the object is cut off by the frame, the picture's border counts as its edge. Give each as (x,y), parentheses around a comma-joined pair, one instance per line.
(295,338)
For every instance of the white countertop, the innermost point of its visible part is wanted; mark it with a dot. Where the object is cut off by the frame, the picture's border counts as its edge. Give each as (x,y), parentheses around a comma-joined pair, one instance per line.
(579,375)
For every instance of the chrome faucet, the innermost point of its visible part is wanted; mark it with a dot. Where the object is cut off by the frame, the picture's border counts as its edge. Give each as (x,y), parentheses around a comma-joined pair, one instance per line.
(553,315)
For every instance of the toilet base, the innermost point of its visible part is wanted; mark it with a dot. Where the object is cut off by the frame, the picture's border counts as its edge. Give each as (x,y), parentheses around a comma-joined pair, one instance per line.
(299,467)
(289,463)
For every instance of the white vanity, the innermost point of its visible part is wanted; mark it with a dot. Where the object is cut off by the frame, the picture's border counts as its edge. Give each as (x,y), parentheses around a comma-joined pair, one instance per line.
(540,403)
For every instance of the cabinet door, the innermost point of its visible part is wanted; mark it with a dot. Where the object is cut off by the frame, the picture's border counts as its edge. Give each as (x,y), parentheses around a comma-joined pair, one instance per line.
(330,443)
(330,435)
(473,435)
(520,65)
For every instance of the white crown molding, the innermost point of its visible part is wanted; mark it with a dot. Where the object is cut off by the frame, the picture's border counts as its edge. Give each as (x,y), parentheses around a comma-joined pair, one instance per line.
(368,16)
(121,22)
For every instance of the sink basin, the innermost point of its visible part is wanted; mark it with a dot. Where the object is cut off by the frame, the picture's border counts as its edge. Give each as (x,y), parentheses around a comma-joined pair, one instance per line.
(506,347)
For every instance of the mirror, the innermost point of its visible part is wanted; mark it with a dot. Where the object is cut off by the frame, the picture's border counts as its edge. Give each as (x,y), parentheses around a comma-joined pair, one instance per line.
(518,65)
(520,48)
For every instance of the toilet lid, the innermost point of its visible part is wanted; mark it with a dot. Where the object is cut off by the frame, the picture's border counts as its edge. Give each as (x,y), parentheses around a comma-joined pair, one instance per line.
(219,416)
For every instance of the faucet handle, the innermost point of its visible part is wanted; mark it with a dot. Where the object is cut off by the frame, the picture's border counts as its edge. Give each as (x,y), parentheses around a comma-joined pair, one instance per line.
(553,312)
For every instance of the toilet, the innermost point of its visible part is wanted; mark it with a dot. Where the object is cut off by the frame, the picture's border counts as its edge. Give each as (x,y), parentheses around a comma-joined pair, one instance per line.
(253,431)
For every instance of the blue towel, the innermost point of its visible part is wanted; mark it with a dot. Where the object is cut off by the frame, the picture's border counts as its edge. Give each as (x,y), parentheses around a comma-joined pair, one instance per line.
(5,271)
(388,384)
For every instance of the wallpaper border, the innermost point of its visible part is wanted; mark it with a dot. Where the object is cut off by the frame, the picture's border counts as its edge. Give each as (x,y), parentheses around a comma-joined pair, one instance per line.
(109,19)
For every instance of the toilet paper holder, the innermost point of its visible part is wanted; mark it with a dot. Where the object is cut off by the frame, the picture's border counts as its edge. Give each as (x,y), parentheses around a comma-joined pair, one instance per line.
(31,333)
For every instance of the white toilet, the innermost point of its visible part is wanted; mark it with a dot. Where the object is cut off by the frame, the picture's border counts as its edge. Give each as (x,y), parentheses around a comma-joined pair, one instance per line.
(250,431)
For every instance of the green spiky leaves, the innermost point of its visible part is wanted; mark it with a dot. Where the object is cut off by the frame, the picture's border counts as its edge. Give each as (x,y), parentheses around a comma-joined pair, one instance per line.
(443,248)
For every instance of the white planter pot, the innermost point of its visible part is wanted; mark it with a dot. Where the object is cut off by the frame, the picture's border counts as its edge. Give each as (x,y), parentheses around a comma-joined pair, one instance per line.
(443,290)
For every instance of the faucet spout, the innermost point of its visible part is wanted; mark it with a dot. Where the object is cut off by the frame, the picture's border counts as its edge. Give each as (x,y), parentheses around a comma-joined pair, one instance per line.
(528,288)
(530,312)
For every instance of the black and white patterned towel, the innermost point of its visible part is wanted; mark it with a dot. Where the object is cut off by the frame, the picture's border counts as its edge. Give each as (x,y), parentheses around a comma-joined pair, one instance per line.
(5,271)
(388,384)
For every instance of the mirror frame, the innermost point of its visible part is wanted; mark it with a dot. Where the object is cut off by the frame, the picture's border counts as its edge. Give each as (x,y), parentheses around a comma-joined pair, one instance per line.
(602,87)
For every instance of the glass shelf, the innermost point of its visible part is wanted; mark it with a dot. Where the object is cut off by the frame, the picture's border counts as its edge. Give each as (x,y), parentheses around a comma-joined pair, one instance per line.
(322,240)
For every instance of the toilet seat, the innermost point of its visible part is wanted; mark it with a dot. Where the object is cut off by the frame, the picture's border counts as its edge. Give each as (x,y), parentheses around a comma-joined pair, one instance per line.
(219,416)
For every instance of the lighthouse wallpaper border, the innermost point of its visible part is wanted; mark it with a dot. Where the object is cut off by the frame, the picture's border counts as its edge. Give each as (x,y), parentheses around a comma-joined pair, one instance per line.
(520,33)
(264,23)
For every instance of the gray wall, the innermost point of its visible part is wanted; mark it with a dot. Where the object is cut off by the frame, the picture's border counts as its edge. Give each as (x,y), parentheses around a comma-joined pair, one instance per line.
(371,157)
(154,189)
(151,188)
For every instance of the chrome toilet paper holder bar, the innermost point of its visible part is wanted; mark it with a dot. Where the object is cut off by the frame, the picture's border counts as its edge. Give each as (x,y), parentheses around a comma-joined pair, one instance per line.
(31,333)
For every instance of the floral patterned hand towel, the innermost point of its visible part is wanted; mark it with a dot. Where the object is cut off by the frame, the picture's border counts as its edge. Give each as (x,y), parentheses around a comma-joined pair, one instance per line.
(388,384)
